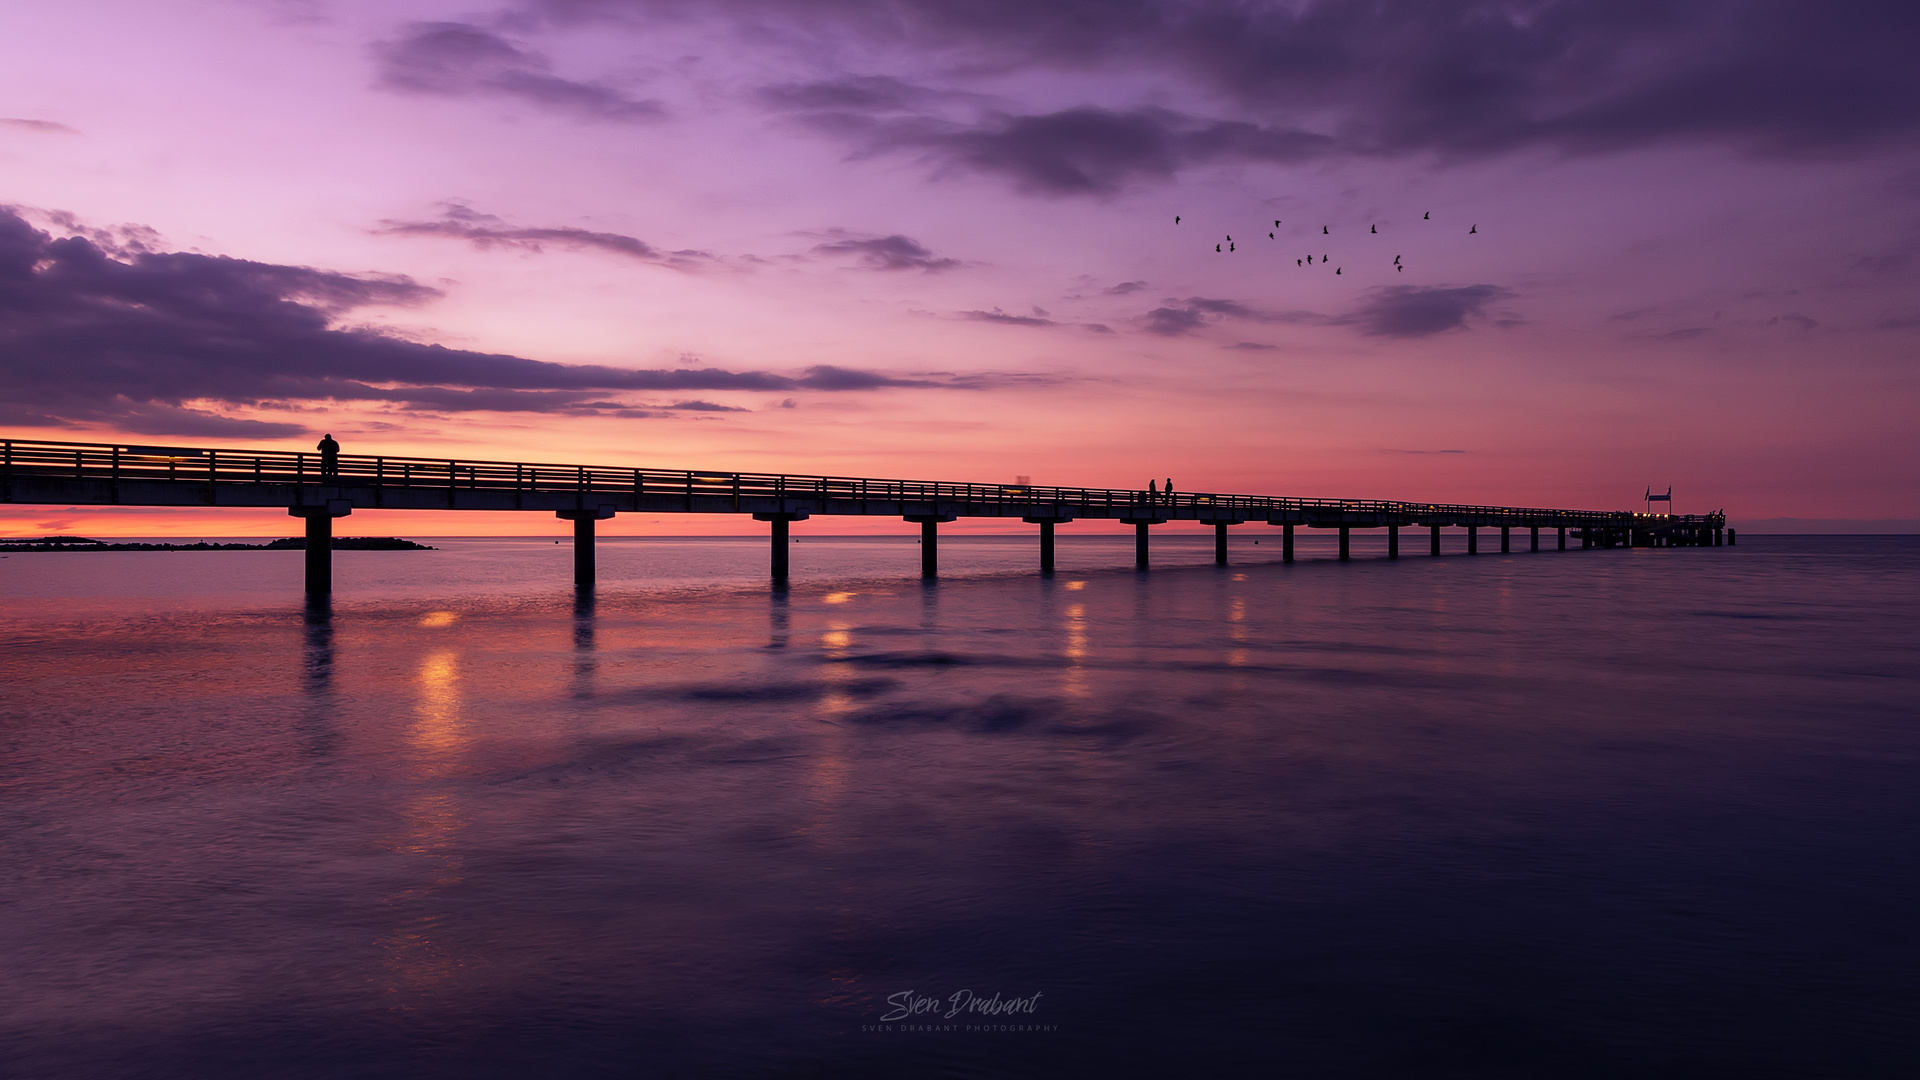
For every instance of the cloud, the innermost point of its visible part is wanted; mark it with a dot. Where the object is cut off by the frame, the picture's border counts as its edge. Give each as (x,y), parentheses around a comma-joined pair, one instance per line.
(1184,317)
(460,222)
(894,252)
(829,377)
(1454,77)
(459,59)
(1172,321)
(1410,311)
(854,93)
(1001,317)
(161,342)
(1079,151)
(45,127)
(704,406)
(1124,288)
(1250,346)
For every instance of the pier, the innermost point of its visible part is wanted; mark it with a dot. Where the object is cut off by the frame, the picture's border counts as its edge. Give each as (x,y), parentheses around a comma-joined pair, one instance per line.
(319,491)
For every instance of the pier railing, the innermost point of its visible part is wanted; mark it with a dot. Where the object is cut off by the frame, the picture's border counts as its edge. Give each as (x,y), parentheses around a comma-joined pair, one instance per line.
(119,463)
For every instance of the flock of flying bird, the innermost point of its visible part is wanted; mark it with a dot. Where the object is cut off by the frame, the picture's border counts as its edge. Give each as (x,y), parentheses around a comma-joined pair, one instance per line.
(1228,246)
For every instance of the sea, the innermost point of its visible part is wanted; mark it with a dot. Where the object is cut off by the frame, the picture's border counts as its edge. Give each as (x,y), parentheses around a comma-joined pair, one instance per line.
(1649,813)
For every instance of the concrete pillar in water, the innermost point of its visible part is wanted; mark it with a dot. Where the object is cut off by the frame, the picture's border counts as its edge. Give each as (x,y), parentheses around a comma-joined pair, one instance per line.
(1343,543)
(1046,538)
(1434,530)
(1393,541)
(583,540)
(781,547)
(930,541)
(1140,538)
(1535,539)
(1563,538)
(1473,539)
(1717,537)
(1504,548)
(1219,543)
(1286,543)
(319,558)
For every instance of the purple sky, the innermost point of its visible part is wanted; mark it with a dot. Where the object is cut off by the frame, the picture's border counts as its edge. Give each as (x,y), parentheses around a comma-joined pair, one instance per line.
(1668,243)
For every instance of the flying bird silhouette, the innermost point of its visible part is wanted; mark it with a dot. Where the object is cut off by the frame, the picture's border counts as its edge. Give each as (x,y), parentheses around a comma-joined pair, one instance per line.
(1473,230)
(1336,269)
(1296,262)
(1396,260)
(1216,247)
(1397,267)
(1176,219)
(1373,228)
(1276,223)
(1269,236)
(1428,216)
(1323,230)
(1229,247)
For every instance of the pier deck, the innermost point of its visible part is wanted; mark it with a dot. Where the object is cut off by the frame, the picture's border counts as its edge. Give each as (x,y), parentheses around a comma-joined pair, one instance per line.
(310,487)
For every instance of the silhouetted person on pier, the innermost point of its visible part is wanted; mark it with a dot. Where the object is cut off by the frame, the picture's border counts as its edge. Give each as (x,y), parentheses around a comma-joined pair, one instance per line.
(329,456)
(1169,489)
(1153,493)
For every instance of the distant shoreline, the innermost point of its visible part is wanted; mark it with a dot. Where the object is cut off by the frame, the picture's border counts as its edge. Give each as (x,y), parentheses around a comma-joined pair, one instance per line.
(291,543)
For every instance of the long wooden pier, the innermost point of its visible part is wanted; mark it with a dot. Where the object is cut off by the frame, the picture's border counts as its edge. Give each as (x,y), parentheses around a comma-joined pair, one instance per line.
(319,488)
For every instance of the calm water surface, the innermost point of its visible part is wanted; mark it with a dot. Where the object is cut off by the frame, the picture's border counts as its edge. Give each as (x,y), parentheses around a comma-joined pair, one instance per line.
(1647,813)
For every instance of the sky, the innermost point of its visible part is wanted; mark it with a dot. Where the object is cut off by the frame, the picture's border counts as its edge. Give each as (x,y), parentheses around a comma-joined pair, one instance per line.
(1561,250)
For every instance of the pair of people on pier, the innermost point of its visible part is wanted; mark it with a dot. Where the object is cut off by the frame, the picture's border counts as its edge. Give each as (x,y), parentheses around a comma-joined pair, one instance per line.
(1154,493)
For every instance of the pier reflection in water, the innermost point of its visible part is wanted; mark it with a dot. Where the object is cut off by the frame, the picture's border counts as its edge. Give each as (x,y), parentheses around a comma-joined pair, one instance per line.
(1357,818)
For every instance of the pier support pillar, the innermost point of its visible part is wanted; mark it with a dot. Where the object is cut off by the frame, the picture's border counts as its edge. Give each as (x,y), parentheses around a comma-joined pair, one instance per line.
(1473,539)
(781,548)
(1219,543)
(320,542)
(1434,537)
(1563,538)
(1393,541)
(1286,543)
(930,541)
(1534,542)
(1140,526)
(583,540)
(1343,543)
(1504,541)
(1716,534)
(1046,538)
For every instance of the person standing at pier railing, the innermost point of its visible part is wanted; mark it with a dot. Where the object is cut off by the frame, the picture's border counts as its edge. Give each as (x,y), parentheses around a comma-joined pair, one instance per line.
(1153,493)
(329,456)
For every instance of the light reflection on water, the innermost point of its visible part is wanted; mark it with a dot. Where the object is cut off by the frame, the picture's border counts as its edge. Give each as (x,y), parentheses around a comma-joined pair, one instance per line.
(1577,814)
